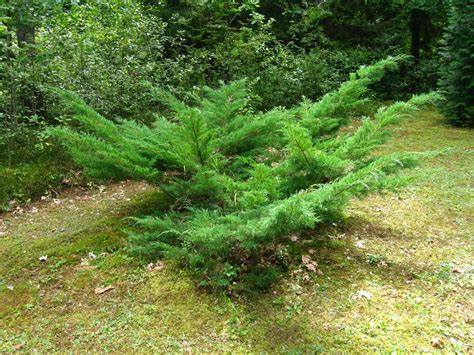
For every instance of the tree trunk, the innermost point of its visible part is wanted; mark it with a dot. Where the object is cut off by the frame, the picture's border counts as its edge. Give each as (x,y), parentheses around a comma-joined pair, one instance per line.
(31,95)
(25,34)
(415,29)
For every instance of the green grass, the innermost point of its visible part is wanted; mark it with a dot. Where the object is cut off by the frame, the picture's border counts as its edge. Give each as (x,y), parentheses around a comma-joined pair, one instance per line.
(411,252)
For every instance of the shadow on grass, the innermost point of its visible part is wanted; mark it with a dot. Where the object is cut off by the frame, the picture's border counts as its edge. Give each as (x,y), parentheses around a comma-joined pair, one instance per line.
(268,321)
(279,317)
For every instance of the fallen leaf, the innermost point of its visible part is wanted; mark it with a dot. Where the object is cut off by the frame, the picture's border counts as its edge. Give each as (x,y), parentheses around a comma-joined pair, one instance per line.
(306,259)
(155,266)
(84,262)
(297,271)
(294,238)
(437,343)
(99,290)
(186,347)
(308,263)
(18,346)
(363,294)
(306,278)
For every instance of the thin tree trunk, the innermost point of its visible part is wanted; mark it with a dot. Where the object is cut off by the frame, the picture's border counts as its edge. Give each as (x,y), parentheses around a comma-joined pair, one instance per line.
(25,34)
(415,29)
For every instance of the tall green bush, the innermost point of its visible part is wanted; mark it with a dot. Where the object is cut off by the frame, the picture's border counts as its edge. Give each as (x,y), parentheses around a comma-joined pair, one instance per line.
(239,182)
(457,71)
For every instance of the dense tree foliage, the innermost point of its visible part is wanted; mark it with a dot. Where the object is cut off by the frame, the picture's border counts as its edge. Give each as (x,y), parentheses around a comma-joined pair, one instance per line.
(105,50)
(457,71)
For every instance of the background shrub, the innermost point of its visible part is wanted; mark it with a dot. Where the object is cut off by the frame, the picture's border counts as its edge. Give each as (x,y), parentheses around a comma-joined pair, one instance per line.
(457,71)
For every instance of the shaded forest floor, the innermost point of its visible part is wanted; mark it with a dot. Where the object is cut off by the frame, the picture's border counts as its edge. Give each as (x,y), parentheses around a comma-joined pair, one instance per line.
(398,275)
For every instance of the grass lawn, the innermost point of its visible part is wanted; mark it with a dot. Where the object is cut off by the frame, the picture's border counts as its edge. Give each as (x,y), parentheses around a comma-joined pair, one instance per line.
(397,275)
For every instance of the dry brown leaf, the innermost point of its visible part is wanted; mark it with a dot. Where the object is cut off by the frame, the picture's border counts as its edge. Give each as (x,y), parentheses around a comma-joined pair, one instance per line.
(155,266)
(309,264)
(186,347)
(306,278)
(294,238)
(305,259)
(437,343)
(18,346)
(101,290)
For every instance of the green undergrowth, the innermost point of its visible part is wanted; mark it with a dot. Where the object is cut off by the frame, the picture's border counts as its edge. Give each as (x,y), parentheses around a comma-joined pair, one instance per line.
(395,275)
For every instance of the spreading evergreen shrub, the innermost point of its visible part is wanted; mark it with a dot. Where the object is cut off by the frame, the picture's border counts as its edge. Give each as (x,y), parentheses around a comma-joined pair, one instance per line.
(240,182)
(457,71)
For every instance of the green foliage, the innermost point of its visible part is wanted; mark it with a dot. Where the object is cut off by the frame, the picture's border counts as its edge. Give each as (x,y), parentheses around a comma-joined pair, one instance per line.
(30,164)
(106,53)
(239,182)
(457,71)
(29,181)
(31,167)
(281,75)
